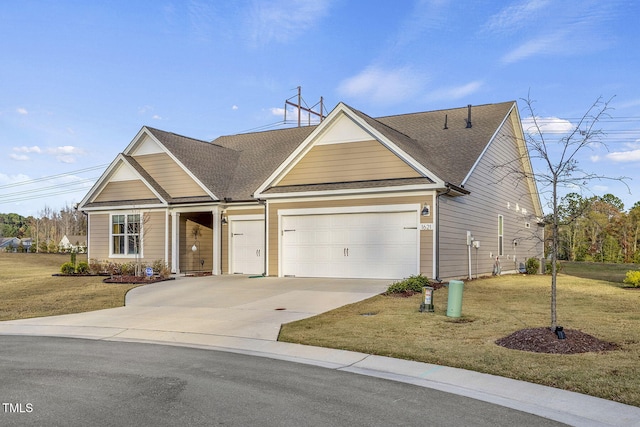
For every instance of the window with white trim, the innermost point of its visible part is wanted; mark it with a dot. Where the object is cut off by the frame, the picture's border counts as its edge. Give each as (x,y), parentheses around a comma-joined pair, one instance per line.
(500,235)
(125,235)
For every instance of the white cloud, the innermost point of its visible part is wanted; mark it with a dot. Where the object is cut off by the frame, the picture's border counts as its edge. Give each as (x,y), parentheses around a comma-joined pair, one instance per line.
(547,44)
(66,153)
(277,111)
(23,149)
(456,92)
(547,125)
(19,157)
(512,17)
(234,107)
(66,149)
(383,86)
(22,111)
(283,20)
(66,159)
(545,27)
(624,156)
(12,179)
(156,117)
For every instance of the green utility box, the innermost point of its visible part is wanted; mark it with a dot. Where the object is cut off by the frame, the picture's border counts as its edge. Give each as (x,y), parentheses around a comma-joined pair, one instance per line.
(454,301)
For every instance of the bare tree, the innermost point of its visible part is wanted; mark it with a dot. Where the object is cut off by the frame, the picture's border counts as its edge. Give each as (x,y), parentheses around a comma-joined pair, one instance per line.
(561,168)
(558,168)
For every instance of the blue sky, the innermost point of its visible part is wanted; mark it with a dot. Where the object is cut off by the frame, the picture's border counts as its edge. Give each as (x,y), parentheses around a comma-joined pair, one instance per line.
(80,78)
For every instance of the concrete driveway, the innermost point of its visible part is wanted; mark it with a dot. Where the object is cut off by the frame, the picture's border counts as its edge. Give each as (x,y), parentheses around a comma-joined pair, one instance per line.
(224,306)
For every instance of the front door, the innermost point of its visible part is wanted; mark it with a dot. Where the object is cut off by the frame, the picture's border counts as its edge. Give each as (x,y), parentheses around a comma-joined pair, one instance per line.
(247,246)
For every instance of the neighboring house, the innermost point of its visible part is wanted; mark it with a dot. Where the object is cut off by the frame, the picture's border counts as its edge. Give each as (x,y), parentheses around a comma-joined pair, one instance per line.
(351,197)
(9,244)
(26,244)
(73,243)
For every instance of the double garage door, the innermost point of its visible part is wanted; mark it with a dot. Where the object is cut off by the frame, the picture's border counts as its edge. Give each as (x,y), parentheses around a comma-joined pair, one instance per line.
(352,245)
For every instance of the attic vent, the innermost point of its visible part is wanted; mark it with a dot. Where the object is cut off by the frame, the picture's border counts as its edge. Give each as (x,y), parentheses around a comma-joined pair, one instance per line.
(468,116)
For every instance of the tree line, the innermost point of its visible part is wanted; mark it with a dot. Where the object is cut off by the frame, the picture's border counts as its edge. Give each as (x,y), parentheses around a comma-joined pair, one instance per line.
(46,229)
(598,229)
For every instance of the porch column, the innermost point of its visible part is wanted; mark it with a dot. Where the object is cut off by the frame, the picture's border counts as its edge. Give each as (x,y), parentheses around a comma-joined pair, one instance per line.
(217,241)
(175,238)
(166,236)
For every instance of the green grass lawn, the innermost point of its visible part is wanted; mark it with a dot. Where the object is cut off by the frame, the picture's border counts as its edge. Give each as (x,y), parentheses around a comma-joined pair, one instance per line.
(598,270)
(493,308)
(29,289)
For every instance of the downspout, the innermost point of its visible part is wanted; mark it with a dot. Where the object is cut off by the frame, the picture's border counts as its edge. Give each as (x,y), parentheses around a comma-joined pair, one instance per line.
(438,279)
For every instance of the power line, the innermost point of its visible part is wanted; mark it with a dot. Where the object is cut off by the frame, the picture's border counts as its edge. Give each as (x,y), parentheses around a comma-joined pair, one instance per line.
(44,189)
(48,178)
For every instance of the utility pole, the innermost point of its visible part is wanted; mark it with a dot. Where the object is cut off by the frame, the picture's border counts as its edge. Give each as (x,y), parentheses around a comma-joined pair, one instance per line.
(300,108)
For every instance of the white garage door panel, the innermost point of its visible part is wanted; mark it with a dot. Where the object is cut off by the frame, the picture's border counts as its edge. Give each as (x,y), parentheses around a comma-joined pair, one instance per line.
(358,245)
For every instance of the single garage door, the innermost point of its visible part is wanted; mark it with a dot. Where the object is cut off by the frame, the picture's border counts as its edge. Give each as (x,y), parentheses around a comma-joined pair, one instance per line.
(352,245)
(247,246)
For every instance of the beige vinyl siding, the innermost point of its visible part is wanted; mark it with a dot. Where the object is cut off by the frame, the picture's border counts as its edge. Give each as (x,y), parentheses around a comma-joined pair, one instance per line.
(225,233)
(153,234)
(153,230)
(493,193)
(354,161)
(170,175)
(125,190)
(98,236)
(426,237)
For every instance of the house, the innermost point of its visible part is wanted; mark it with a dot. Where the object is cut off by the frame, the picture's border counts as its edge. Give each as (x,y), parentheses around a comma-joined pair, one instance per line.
(9,244)
(354,196)
(26,244)
(73,244)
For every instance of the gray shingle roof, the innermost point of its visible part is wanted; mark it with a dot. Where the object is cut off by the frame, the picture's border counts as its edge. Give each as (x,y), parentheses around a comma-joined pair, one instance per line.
(449,153)
(211,163)
(235,166)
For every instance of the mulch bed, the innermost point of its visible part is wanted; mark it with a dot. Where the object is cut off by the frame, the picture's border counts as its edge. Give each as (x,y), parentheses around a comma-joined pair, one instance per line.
(544,340)
(136,280)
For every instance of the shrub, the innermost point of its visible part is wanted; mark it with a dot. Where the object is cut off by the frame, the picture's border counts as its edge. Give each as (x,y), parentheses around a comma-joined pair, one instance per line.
(83,267)
(632,278)
(532,266)
(67,268)
(411,284)
(157,266)
(96,267)
(128,269)
(558,267)
(113,268)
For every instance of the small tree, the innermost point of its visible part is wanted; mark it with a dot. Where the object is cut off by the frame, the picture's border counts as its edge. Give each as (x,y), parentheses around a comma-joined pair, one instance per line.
(561,169)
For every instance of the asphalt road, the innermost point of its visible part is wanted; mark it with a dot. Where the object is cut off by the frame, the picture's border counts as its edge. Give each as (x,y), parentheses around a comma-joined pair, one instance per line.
(74,382)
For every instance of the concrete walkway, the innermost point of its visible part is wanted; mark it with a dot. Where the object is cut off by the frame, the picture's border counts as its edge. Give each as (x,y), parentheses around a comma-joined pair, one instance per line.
(243,315)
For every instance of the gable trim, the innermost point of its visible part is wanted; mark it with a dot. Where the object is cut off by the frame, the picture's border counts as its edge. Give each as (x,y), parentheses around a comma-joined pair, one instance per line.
(486,147)
(105,179)
(147,132)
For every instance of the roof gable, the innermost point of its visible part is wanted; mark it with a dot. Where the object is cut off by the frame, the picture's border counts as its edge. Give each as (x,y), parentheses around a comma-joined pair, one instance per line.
(339,140)
(124,181)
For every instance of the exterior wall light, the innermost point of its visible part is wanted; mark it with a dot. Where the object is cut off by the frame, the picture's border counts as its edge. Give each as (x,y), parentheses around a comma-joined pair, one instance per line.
(426,210)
